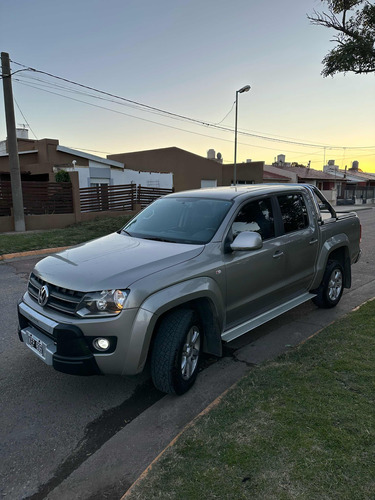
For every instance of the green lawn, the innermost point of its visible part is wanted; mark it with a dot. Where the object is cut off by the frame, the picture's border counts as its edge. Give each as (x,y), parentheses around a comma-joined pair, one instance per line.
(72,235)
(300,427)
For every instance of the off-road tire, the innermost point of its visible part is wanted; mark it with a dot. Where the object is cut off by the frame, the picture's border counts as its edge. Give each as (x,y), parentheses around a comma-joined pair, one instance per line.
(330,290)
(171,349)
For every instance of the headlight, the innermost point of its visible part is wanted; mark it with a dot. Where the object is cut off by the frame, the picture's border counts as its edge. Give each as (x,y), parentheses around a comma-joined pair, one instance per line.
(105,303)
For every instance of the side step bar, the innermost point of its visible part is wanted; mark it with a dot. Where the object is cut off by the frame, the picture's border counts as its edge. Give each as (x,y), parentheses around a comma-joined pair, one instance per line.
(239,330)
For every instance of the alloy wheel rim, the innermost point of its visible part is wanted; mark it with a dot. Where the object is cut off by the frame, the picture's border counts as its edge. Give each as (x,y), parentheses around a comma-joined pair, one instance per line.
(190,353)
(335,285)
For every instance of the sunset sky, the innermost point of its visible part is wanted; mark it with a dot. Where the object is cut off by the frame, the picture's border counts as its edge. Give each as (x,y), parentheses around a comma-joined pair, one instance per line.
(188,58)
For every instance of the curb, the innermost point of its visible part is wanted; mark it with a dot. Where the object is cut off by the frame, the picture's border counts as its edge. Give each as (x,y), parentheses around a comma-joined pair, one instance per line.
(212,405)
(31,253)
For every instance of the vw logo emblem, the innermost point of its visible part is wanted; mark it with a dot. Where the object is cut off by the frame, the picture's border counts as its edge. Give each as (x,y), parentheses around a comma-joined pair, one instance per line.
(43,296)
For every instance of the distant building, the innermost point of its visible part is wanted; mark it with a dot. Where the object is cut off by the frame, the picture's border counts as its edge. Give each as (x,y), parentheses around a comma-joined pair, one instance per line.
(41,159)
(272,177)
(191,171)
(326,182)
(356,186)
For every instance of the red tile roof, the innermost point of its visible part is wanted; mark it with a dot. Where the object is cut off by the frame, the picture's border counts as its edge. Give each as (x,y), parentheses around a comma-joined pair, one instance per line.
(309,173)
(271,175)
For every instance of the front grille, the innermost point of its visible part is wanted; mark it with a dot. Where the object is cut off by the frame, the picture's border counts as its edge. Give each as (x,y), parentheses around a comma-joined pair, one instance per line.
(61,299)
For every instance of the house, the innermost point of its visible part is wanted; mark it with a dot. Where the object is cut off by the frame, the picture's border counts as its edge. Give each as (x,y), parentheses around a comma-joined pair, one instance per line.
(325,182)
(164,168)
(41,159)
(191,171)
(356,186)
(272,177)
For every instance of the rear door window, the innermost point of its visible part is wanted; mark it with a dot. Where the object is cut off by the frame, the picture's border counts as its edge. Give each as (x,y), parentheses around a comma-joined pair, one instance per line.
(293,212)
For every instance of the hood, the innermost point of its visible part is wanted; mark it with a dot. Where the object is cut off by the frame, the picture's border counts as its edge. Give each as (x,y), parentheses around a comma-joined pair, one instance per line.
(114,261)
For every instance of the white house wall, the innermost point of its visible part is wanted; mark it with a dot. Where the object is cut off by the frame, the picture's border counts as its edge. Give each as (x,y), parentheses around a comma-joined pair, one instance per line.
(147,179)
(97,164)
(116,176)
(83,176)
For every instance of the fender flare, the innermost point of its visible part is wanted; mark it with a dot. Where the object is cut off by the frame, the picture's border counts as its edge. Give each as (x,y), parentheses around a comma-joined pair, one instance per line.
(163,301)
(330,245)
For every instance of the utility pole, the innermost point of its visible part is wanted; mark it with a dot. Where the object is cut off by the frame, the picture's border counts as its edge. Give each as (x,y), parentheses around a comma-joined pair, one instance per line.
(14,163)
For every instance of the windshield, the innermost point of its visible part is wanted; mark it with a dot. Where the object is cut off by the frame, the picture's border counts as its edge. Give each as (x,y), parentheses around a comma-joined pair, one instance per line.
(179,220)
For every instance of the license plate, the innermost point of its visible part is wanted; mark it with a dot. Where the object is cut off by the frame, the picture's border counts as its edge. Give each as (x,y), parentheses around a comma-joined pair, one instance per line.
(35,344)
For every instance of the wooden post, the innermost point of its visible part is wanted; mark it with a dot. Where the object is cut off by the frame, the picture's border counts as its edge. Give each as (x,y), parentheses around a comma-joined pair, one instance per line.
(76,196)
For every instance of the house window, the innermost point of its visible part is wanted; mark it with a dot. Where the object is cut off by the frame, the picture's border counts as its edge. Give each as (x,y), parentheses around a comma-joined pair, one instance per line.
(208,183)
(96,182)
(153,184)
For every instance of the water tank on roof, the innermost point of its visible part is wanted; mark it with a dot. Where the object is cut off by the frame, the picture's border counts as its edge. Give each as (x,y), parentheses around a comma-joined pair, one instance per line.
(280,158)
(331,163)
(355,165)
(211,154)
(22,133)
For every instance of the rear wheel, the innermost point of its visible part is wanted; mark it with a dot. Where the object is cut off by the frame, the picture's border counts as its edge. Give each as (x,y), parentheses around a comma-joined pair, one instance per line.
(176,352)
(330,290)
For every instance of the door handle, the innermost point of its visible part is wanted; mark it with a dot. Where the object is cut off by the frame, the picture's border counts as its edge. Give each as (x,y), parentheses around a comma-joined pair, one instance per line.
(312,242)
(277,254)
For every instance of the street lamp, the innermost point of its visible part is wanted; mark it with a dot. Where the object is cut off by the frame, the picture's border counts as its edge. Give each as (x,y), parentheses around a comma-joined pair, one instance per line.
(246,88)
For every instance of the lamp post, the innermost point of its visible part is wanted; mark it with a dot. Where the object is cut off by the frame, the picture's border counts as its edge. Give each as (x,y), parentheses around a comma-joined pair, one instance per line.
(246,88)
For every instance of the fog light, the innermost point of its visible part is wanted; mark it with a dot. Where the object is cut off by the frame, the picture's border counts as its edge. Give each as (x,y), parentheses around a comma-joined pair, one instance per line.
(101,344)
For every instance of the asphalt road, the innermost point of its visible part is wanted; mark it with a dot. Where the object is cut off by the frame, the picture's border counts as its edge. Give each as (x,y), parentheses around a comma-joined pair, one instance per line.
(76,437)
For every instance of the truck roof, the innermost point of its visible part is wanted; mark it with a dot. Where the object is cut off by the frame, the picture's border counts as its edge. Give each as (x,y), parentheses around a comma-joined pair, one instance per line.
(232,192)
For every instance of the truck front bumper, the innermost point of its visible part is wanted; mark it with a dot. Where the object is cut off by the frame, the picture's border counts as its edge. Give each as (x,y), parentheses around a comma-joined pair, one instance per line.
(62,346)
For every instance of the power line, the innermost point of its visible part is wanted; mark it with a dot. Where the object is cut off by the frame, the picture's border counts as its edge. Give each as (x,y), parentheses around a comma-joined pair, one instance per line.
(64,88)
(229,112)
(308,155)
(158,123)
(192,120)
(109,94)
(23,116)
(74,91)
(91,150)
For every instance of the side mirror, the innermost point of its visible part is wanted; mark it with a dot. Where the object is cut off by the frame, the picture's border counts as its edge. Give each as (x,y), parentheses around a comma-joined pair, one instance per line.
(247,240)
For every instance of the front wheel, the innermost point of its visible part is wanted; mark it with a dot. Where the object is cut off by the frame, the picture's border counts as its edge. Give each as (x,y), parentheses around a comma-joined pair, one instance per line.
(330,290)
(176,352)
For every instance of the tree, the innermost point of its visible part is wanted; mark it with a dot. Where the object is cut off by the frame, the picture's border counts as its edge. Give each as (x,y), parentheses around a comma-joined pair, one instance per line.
(355,36)
(62,176)
(296,164)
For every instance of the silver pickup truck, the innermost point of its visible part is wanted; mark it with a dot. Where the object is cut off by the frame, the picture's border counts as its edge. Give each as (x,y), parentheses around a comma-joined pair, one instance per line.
(190,271)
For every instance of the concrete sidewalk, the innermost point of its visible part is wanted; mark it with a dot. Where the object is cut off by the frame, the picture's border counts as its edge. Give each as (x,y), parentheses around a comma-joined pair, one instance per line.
(353,208)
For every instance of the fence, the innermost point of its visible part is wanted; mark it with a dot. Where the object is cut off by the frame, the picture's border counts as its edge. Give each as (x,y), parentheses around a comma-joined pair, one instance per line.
(39,198)
(359,193)
(5,198)
(58,204)
(122,197)
(101,198)
(146,195)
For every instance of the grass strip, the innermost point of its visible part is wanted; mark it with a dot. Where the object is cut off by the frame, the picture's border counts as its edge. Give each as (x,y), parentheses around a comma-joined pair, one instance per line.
(300,427)
(71,235)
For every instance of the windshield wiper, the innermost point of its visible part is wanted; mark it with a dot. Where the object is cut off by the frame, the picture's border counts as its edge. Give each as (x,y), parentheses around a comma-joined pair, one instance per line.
(154,238)
(123,231)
